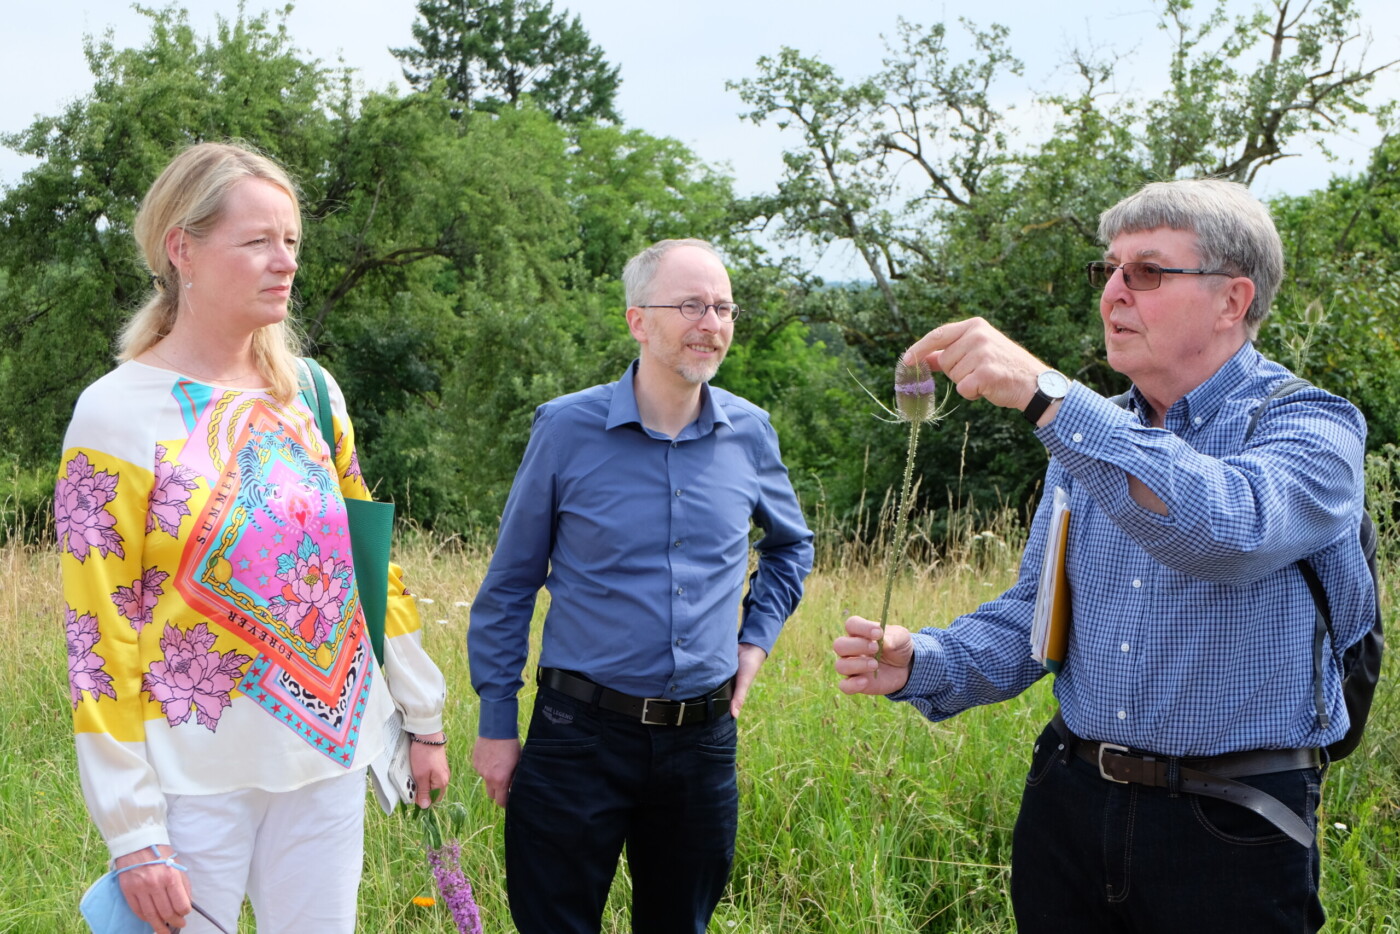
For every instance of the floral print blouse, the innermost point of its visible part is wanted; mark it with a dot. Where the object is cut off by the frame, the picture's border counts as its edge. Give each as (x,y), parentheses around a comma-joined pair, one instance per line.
(215,636)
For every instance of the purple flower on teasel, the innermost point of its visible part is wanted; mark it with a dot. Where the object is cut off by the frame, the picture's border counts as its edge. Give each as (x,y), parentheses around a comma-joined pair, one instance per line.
(85,667)
(80,512)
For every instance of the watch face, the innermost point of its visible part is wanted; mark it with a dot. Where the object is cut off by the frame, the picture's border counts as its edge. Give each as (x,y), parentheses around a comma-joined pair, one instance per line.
(1053,383)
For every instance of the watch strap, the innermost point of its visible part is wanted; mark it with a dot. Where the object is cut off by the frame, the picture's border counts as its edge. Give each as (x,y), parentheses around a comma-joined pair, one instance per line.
(1038,404)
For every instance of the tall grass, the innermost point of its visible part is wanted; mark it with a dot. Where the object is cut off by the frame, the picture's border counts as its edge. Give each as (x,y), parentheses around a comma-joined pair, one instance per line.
(857,815)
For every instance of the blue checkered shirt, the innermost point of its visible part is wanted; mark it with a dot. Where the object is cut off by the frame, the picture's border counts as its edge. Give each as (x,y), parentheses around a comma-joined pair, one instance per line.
(1192,632)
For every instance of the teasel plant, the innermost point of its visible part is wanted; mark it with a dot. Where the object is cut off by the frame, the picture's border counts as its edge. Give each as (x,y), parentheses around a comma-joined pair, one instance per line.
(916,403)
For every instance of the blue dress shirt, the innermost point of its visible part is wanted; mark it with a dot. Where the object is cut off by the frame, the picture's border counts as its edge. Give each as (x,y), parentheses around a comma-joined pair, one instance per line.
(643,544)
(1191,632)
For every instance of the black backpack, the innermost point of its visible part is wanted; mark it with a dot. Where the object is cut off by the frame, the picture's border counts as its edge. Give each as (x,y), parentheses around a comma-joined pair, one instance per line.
(1361,663)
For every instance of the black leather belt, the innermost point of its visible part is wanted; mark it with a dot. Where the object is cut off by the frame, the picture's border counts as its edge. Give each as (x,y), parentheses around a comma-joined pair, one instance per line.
(1210,776)
(652,711)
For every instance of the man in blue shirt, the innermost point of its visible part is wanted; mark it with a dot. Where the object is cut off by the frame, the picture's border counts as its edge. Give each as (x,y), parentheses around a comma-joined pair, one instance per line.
(1176,789)
(633,506)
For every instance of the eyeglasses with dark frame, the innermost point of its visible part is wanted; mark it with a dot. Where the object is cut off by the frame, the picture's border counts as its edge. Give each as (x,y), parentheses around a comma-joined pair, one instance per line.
(1141,277)
(694,310)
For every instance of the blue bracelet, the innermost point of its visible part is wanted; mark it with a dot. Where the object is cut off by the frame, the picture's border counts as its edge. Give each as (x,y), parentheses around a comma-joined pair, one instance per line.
(162,861)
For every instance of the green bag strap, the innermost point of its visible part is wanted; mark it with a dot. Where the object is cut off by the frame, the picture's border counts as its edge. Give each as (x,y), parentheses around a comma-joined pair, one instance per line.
(371,523)
(321,405)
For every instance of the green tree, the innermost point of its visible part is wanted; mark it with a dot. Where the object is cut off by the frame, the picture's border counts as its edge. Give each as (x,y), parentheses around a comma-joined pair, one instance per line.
(629,189)
(488,55)
(403,208)
(913,168)
(1226,115)
(65,227)
(829,190)
(1337,321)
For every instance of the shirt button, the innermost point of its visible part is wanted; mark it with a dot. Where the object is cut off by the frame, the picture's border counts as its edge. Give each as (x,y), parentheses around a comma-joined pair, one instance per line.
(1197,421)
(678,543)
(674,443)
(679,591)
(1137,584)
(678,492)
(1122,715)
(1077,437)
(680,641)
(1125,646)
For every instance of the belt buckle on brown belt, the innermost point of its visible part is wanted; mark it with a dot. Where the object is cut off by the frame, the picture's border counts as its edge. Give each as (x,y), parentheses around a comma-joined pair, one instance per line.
(646,708)
(1113,747)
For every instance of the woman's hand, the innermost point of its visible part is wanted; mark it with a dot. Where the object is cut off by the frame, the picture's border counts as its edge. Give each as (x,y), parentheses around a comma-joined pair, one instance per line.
(429,766)
(159,894)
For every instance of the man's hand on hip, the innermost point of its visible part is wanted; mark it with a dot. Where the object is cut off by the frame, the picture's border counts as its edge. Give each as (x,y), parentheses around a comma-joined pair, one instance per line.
(751,658)
(495,761)
(857,662)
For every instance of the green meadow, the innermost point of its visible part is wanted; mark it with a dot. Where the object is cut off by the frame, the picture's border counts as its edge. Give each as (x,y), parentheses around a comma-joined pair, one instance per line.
(857,814)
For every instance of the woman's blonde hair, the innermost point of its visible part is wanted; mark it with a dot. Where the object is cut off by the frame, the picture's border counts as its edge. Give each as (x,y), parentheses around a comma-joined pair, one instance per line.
(190,195)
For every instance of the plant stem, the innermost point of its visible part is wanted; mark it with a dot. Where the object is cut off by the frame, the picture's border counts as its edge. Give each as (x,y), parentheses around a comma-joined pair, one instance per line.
(895,561)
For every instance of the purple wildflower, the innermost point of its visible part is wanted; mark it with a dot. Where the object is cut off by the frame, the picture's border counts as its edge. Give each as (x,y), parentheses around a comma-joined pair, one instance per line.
(446,862)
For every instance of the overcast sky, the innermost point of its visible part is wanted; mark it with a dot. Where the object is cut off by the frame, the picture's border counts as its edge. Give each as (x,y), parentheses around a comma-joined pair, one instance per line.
(676,57)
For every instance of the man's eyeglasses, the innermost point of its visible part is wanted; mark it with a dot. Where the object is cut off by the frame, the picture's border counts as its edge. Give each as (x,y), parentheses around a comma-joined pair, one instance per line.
(694,310)
(1141,277)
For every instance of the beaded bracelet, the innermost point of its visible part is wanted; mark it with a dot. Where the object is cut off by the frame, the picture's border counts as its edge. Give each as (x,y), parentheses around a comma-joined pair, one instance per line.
(427,742)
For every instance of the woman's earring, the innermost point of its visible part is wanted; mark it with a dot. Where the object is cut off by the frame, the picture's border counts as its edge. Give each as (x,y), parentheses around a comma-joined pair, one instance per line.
(189,284)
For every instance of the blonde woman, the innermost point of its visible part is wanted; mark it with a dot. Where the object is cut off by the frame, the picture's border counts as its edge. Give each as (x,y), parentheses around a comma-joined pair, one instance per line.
(226,699)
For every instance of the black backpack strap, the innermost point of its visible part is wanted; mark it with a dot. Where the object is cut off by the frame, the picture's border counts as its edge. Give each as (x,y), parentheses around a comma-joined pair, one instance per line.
(1286,387)
(1322,625)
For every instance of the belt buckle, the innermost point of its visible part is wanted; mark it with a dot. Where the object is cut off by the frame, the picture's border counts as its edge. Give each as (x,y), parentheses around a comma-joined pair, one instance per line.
(1104,747)
(646,708)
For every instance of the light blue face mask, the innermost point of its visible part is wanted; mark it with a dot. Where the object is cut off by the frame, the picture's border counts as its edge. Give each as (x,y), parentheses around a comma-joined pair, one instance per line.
(105,909)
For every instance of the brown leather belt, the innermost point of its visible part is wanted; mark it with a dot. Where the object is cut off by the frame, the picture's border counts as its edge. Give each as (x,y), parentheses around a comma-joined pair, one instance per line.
(1209,776)
(652,711)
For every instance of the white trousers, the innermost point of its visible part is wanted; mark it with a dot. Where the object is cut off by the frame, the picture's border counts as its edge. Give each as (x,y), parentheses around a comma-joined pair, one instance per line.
(296,854)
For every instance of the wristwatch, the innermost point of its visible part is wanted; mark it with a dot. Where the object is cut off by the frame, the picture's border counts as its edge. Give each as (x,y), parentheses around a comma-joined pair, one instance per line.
(1050,386)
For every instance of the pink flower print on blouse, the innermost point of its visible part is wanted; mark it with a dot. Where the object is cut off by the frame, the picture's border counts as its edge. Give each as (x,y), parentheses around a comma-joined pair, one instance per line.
(354,469)
(170,495)
(193,675)
(137,602)
(314,588)
(85,667)
(80,501)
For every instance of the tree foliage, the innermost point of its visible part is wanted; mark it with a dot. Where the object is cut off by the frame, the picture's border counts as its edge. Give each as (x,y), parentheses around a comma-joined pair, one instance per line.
(915,168)
(490,54)
(65,233)
(454,274)
(457,272)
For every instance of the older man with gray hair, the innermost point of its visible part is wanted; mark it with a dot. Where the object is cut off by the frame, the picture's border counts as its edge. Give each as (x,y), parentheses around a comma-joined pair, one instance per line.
(1176,788)
(633,506)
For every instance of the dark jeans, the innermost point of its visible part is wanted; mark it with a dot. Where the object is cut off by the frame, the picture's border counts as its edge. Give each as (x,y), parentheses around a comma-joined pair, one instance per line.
(1094,855)
(590,781)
